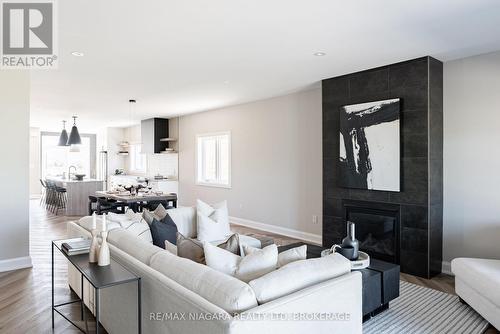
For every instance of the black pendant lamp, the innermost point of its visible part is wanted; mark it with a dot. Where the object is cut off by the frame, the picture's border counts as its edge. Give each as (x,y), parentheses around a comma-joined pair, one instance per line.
(74,136)
(63,138)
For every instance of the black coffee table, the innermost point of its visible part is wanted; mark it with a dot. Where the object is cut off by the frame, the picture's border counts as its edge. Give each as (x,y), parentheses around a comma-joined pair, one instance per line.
(380,281)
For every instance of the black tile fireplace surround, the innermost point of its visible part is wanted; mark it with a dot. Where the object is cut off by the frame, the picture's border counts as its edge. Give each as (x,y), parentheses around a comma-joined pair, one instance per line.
(419,204)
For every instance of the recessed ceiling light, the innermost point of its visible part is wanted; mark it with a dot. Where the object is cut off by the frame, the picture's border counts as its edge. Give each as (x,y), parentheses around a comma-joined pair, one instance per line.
(319,54)
(77,54)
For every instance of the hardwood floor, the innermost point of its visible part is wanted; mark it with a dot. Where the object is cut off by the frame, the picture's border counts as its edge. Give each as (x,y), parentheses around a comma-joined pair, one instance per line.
(25,295)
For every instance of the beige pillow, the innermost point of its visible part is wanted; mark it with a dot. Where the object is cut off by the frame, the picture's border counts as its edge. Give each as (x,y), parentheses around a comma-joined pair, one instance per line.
(193,249)
(256,263)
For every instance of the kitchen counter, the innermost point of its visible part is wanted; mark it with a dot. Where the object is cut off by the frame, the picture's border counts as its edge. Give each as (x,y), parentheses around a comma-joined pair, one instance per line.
(78,193)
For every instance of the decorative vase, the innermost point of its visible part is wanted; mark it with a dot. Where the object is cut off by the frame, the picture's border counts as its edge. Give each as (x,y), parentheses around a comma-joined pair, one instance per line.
(350,241)
(103,258)
(94,247)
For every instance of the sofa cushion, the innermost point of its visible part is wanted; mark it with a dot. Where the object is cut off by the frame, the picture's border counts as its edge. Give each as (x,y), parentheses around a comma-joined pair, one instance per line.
(255,264)
(136,226)
(162,230)
(227,292)
(298,275)
(185,219)
(132,245)
(482,275)
(86,223)
(212,221)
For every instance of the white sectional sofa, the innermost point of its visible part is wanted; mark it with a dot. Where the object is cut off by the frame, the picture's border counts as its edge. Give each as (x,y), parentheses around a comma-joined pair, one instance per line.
(477,282)
(182,296)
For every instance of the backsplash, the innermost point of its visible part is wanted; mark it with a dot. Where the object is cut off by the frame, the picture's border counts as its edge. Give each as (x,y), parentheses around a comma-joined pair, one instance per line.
(163,164)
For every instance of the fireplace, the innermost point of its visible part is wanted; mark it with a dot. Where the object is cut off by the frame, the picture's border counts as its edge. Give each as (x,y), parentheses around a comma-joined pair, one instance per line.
(377,228)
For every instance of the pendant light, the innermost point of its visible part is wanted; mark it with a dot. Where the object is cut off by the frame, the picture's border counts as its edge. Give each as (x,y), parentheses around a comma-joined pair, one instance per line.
(74,136)
(63,138)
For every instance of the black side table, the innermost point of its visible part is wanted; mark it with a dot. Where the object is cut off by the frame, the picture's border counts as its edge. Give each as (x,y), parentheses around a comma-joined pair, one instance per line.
(380,281)
(99,278)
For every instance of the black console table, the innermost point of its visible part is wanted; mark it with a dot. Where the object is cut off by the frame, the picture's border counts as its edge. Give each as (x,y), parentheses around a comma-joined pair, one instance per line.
(380,281)
(99,278)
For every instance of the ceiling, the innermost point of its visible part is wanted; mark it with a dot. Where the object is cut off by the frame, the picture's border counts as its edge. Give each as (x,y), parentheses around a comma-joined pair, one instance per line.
(178,57)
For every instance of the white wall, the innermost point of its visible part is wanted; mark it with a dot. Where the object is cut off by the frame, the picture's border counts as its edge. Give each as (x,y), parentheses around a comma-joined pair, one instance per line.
(276,172)
(472,157)
(35,186)
(14,196)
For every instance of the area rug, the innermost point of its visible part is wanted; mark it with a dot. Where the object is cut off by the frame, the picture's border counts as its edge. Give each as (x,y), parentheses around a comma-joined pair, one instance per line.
(423,310)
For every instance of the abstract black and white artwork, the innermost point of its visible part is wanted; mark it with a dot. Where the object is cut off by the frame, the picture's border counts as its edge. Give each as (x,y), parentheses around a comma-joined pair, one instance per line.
(369,145)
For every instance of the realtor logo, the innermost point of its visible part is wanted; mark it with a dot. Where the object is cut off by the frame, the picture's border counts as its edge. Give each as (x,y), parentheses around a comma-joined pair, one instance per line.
(28,35)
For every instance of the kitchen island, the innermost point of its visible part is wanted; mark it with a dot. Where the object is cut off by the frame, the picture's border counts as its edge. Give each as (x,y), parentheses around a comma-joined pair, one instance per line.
(78,193)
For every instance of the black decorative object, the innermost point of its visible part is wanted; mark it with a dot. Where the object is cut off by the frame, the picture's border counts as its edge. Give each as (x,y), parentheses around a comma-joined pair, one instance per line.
(63,138)
(369,145)
(350,242)
(74,136)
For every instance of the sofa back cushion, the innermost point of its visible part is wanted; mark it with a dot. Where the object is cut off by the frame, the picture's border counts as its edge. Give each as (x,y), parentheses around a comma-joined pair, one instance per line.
(298,275)
(185,219)
(128,242)
(225,291)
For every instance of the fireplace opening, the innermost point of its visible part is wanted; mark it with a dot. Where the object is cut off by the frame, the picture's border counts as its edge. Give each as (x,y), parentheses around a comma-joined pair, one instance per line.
(377,229)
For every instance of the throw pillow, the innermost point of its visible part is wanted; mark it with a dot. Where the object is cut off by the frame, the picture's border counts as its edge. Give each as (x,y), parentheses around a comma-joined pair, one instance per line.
(288,256)
(255,264)
(193,249)
(212,221)
(162,230)
(292,255)
(159,213)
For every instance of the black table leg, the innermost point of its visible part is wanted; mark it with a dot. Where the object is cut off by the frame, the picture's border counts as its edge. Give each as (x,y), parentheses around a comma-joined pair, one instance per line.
(139,306)
(97,311)
(53,286)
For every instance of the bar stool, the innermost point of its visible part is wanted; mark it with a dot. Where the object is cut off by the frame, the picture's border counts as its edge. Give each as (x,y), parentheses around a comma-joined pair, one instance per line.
(56,197)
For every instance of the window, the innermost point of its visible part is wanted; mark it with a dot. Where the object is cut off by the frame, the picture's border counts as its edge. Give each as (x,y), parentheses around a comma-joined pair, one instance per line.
(214,159)
(137,159)
(57,159)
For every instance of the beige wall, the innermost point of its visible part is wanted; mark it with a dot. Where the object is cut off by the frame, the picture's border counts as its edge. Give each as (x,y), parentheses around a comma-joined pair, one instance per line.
(276,171)
(14,196)
(472,157)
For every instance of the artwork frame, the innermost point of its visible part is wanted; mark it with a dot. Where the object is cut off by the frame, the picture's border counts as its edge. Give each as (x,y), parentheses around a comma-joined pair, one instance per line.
(370,145)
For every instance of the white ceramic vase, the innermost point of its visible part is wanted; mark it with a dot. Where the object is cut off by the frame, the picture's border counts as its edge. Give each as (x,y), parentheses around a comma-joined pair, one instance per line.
(94,247)
(104,258)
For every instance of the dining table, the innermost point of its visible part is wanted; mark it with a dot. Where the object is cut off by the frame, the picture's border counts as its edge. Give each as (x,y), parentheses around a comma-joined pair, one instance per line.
(132,201)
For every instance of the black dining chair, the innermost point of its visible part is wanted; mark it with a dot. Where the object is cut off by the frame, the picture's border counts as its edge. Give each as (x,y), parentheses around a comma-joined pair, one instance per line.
(101,205)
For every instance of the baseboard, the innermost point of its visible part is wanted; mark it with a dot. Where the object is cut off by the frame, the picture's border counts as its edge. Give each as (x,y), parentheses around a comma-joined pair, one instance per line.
(305,236)
(15,263)
(446,268)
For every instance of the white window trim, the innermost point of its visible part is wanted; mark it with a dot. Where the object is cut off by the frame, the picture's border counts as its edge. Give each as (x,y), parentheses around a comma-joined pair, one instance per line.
(208,184)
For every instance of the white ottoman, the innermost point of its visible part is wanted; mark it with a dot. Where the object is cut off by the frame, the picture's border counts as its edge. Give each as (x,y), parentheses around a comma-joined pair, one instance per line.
(477,282)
